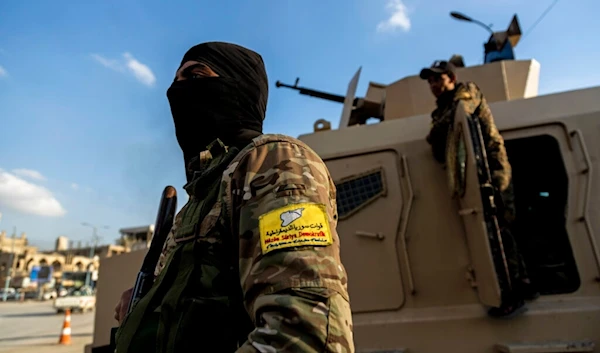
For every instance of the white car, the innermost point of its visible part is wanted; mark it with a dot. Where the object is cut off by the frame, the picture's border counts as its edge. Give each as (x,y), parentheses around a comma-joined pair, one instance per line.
(77,299)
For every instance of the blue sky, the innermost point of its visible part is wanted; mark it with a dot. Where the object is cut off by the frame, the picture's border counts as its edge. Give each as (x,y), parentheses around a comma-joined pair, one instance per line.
(86,131)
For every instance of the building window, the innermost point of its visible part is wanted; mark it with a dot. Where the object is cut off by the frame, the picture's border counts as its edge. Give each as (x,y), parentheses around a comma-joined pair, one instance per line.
(56,266)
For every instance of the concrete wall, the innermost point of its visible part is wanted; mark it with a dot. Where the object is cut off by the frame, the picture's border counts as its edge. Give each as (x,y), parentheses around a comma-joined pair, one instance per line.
(125,268)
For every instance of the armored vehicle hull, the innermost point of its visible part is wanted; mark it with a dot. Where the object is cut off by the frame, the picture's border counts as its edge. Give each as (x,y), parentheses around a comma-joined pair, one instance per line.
(416,267)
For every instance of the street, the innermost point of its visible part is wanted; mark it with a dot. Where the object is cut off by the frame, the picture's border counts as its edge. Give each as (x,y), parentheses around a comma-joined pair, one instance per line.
(36,327)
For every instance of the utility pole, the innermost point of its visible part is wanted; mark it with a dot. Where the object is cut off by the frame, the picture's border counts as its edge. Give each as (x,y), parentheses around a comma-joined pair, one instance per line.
(10,267)
(95,239)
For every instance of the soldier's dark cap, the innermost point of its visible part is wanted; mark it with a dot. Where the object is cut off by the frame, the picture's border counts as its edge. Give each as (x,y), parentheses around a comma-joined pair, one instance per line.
(437,68)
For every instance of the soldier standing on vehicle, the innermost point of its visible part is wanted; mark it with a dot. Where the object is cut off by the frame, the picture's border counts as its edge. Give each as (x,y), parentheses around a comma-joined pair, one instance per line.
(448,92)
(252,263)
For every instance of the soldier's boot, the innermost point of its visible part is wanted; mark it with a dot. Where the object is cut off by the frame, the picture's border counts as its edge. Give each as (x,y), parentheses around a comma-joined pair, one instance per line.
(508,309)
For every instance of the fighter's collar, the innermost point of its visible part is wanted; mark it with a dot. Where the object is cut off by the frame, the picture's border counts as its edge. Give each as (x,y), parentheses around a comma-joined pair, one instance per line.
(460,91)
(199,163)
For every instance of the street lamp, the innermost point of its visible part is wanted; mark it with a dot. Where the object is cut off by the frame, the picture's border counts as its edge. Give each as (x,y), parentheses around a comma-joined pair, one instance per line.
(500,44)
(95,239)
(462,17)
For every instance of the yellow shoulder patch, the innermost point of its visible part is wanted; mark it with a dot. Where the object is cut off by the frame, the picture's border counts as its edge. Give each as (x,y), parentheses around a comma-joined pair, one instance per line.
(294,225)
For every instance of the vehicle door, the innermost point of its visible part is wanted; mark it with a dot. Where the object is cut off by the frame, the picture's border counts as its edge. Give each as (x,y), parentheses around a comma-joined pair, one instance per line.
(470,182)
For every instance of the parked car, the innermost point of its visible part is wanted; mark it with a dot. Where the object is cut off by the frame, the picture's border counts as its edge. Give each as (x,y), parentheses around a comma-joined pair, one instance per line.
(11,294)
(77,299)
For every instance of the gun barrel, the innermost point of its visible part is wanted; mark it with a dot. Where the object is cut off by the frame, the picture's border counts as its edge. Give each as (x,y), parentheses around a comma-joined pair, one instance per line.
(313,93)
(164,221)
(145,278)
(280,84)
(323,95)
(162,226)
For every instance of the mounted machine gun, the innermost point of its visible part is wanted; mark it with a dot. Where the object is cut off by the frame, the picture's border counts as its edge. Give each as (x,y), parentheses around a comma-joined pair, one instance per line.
(314,93)
(357,110)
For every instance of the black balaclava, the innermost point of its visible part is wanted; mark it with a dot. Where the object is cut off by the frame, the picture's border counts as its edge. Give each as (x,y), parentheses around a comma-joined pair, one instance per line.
(230,107)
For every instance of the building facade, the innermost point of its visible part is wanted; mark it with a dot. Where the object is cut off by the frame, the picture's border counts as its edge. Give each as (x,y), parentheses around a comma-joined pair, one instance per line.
(18,258)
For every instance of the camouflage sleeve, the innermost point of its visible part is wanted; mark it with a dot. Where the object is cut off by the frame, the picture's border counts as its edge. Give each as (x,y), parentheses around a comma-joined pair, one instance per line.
(281,204)
(496,153)
(437,136)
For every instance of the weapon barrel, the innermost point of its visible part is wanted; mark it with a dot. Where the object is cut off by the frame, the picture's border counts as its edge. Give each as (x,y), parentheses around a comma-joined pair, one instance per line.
(145,278)
(313,93)
(323,95)
(162,227)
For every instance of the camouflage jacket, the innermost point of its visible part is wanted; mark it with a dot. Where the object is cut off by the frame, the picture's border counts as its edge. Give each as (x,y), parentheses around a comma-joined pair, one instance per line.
(280,202)
(475,104)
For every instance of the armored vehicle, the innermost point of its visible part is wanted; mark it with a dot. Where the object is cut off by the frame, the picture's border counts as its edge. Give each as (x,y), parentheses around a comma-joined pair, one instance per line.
(422,259)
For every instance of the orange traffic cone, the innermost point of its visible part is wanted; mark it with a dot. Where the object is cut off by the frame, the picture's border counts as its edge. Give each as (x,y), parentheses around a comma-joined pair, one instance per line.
(65,336)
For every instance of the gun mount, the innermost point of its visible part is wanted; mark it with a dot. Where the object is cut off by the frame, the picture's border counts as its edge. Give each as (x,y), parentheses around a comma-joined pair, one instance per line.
(357,110)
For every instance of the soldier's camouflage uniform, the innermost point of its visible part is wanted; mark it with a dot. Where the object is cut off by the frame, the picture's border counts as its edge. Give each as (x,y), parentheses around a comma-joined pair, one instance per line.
(475,104)
(297,298)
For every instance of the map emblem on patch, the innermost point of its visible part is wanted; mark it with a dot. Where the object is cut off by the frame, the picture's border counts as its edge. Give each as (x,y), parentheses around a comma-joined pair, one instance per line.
(288,217)
(305,224)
